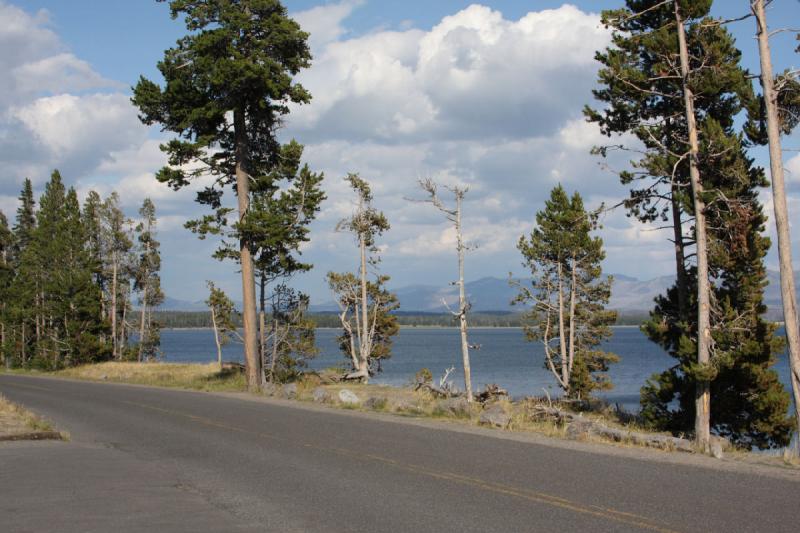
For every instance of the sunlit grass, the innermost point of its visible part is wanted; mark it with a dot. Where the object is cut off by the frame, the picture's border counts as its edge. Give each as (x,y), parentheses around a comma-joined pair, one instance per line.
(16,419)
(206,377)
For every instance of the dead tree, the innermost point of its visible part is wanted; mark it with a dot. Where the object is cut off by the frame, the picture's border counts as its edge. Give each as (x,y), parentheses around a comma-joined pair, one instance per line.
(703,391)
(788,294)
(454,216)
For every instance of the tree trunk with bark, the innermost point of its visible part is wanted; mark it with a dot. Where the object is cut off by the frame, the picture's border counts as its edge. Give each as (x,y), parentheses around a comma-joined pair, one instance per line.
(262,326)
(562,341)
(788,294)
(113,311)
(252,359)
(23,347)
(275,341)
(573,293)
(123,328)
(703,391)
(680,255)
(364,334)
(143,322)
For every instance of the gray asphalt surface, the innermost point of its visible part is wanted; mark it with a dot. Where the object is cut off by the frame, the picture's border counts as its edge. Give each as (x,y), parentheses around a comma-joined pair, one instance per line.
(143,459)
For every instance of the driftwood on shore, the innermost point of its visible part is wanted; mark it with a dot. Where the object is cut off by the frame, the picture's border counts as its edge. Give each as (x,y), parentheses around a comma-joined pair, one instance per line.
(435,390)
(231,366)
(492,393)
(579,427)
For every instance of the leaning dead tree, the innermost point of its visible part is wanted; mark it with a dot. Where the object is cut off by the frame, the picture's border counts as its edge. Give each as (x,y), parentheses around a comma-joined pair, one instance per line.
(453,214)
(774,126)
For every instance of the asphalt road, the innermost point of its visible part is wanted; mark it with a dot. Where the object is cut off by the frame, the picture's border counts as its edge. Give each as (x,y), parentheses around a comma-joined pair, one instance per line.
(144,459)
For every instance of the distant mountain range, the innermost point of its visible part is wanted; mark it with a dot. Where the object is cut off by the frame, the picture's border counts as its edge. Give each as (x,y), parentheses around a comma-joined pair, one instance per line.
(492,294)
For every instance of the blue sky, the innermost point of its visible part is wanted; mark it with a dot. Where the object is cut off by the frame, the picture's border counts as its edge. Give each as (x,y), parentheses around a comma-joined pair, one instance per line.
(121,38)
(386,103)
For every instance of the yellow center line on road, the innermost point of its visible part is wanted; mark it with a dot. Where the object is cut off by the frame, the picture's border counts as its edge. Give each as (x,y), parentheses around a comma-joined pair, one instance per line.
(630,519)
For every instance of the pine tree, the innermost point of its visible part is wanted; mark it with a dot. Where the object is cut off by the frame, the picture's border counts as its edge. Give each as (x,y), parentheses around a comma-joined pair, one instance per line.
(26,218)
(568,295)
(642,85)
(366,356)
(228,85)
(117,247)
(222,313)
(6,278)
(366,306)
(291,341)
(47,244)
(148,282)
(284,203)
(78,297)
(24,294)
(92,220)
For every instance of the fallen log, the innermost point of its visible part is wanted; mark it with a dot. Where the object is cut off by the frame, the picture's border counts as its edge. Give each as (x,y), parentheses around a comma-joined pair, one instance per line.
(436,391)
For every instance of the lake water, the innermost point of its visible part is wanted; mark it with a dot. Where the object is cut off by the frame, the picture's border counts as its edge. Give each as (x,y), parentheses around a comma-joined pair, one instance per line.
(505,358)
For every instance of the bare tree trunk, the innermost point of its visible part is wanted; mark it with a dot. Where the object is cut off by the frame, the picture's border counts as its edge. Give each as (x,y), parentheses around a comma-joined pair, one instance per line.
(788,294)
(702,424)
(561,340)
(262,341)
(216,337)
(23,348)
(572,298)
(252,360)
(113,310)
(364,334)
(143,321)
(3,342)
(462,301)
(39,316)
(123,331)
(262,326)
(274,358)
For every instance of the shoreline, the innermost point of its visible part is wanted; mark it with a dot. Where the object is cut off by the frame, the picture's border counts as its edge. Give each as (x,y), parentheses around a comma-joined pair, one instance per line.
(204,328)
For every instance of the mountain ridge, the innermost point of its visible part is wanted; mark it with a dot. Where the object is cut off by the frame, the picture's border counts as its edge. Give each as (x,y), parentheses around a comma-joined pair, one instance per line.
(492,294)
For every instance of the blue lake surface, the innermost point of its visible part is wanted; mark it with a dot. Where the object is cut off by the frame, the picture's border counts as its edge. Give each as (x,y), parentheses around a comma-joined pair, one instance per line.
(505,358)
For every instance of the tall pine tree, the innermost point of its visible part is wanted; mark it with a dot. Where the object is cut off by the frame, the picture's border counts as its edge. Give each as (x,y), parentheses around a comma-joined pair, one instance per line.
(148,282)
(568,295)
(6,278)
(24,293)
(642,88)
(229,83)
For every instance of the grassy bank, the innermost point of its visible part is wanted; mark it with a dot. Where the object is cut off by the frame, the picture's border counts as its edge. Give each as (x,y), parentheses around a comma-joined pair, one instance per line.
(17,423)
(203,377)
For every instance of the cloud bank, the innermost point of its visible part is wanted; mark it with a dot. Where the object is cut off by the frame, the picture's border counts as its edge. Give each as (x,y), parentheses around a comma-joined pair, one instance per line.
(478,99)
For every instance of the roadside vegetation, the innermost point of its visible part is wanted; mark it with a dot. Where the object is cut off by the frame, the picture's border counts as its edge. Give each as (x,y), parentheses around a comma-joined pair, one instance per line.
(183,376)
(17,423)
